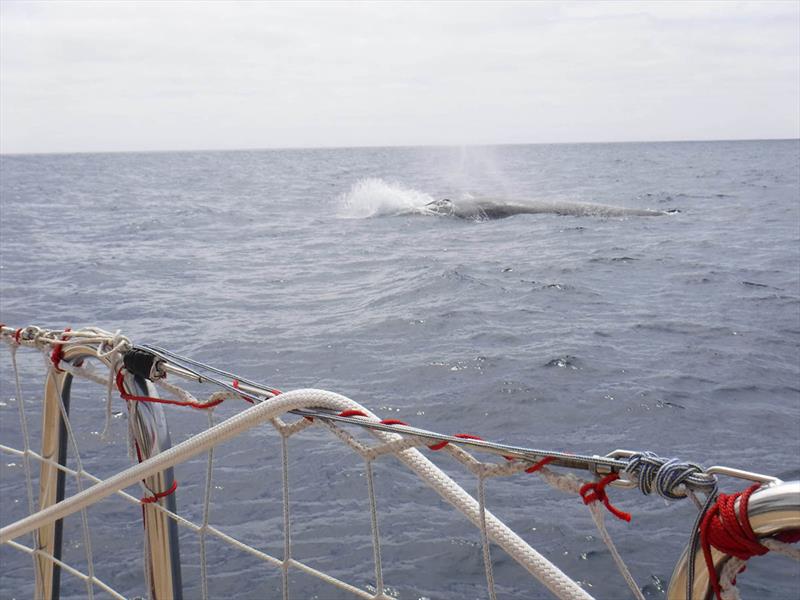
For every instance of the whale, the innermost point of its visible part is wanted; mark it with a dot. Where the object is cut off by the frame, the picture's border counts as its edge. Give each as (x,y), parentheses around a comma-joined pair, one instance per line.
(481,209)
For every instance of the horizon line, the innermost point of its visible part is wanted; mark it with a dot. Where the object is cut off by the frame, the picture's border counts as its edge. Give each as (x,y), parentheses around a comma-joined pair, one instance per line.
(398,146)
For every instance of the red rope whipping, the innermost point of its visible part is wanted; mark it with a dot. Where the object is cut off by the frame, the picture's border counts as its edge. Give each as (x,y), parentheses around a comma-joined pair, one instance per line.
(236,387)
(352,413)
(132,398)
(17,333)
(58,352)
(592,492)
(463,436)
(158,495)
(542,463)
(394,422)
(732,534)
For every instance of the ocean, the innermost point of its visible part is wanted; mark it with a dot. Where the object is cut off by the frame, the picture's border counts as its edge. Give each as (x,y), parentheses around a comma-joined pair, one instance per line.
(678,334)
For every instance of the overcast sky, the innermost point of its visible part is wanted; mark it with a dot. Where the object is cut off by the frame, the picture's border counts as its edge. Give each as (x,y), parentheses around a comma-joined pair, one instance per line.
(160,76)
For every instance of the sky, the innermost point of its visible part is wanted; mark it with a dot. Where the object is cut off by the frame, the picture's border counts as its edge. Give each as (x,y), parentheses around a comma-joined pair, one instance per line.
(119,76)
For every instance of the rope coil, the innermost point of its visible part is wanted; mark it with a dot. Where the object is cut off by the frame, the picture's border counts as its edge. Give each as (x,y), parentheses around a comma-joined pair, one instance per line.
(732,534)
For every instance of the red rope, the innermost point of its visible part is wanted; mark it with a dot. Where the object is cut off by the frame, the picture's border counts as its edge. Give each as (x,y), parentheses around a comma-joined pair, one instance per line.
(352,413)
(131,398)
(542,463)
(463,436)
(158,495)
(58,352)
(438,445)
(592,492)
(17,334)
(394,422)
(733,536)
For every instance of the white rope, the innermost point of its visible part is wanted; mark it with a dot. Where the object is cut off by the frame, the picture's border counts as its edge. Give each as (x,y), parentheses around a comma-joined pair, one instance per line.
(780,547)
(376,538)
(734,566)
(598,516)
(287,535)
(206,514)
(71,570)
(487,558)
(23,423)
(109,396)
(568,483)
(727,576)
(78,479)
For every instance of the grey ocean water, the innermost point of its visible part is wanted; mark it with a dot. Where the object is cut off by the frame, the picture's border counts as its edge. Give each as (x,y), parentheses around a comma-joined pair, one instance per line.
(678,334)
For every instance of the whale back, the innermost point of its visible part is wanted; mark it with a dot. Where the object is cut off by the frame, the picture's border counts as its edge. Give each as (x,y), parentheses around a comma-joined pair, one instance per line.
(498,208)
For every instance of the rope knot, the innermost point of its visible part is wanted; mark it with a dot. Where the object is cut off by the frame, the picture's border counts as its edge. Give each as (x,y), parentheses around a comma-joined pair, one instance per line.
(58,352)
(668,477)
(734,536)
(592,492)
(159,495)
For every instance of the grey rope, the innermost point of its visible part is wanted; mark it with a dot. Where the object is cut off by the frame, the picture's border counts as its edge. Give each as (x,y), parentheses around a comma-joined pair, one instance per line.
(695,541)
(670,478)
(665,476)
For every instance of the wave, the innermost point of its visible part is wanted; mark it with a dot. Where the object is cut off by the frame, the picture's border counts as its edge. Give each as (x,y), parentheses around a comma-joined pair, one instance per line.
(374,197)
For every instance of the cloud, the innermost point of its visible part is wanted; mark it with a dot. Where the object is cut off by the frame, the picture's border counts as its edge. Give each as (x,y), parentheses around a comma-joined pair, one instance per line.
(118,76)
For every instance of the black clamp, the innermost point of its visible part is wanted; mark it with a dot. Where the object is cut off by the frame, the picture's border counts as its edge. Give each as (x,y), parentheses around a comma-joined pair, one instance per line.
(140,363)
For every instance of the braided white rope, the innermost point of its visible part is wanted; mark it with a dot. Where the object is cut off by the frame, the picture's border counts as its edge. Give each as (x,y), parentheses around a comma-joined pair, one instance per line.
(568,483)
(727,576)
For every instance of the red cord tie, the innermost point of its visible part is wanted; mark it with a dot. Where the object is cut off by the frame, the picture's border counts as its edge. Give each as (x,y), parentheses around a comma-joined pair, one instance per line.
(17,333)
(132,398)
(58,352)
(592,492)
(158,495)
